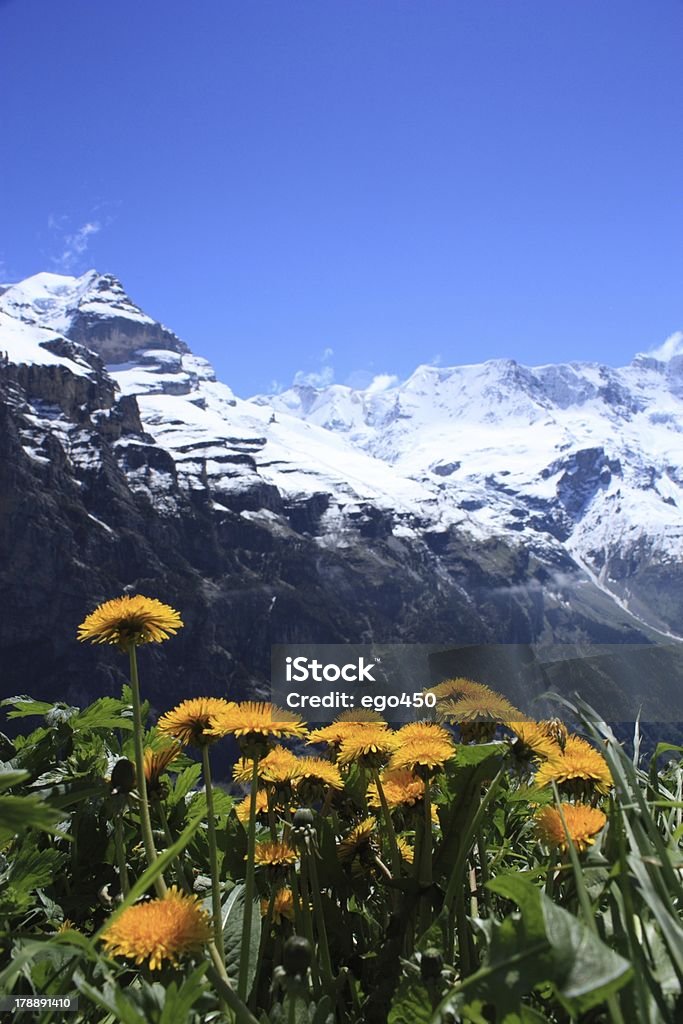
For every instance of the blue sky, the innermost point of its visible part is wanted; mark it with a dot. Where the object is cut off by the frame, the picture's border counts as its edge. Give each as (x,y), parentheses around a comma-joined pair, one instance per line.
(352,187)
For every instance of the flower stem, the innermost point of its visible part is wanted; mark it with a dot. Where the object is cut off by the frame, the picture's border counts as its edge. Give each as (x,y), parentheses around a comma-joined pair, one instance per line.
(265,936)
(182,875)
(121,855)
(426,861)
(243,977)
(391,832)
(308,926)
(138,740)
(213,854)
(225,990)
(323,945)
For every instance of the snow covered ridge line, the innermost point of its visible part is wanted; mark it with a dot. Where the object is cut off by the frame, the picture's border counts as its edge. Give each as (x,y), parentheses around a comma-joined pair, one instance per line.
(577,463)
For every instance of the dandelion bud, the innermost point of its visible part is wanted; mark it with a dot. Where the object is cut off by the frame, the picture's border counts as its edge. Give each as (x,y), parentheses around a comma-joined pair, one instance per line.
(431,964)
(296,956)
(303,818)
(123,776)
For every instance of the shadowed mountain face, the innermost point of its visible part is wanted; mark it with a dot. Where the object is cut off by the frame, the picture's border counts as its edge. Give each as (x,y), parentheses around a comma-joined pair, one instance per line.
(476,505)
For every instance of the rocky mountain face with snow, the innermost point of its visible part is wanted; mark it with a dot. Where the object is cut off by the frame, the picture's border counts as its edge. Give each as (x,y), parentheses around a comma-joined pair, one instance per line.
(470,505)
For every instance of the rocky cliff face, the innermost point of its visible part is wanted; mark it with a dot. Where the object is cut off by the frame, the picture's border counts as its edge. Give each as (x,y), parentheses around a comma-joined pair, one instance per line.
(125,465)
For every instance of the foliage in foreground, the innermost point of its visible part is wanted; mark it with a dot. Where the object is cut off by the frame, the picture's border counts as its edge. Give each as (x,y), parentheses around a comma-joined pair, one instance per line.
(379,880)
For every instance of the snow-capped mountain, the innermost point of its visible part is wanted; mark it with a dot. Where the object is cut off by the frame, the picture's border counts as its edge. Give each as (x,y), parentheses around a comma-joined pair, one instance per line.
(492,502)
(582,455)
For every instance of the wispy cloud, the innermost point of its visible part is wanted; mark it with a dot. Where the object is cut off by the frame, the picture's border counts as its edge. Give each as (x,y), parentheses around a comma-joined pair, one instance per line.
(74,243)
(320,378)
(673,346)
(382,382)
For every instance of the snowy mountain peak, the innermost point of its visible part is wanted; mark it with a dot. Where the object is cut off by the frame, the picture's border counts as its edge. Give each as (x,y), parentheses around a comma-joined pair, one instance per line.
(93,309)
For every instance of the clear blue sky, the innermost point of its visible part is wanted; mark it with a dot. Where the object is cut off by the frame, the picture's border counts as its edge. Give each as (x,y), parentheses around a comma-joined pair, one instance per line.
(397,181)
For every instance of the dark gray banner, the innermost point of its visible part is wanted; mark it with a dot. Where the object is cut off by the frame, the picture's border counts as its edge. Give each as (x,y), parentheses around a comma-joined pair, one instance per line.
(621,681)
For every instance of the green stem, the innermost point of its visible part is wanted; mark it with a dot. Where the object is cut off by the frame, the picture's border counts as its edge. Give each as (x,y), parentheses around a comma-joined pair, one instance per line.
(213,854)
(463,935)
(456,881)
(138,740)
(298,922)
(584,900)
(186,883)
(391,832)
(323,945)
(243,977)
(265,936)
(121,855)
(308,926)
(226,992)
(456,873)
(483,869)
(272,824)
(426,861)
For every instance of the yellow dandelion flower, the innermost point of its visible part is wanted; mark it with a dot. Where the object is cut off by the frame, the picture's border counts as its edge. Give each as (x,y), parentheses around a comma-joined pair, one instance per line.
(369,744)
(357,841)
(159,930)
(460,687)
(405,849)
(579,768)
(283,905)
(279,766)
(427,731)
(256,725)
(194,721)
(401,788)
(489,707)
(155,764)
(360,715)
(130,620)
(583,824)
(423,754)
(243,808)
(274,855)
(534,740)
(333,734)
(315,770)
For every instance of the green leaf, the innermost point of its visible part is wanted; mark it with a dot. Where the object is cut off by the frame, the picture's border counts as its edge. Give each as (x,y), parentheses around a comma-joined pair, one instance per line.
(222,804)
(9,778)
(33,868)
(323,1011)
(25,706)
(411,1003)
(461,797)
(233,917)
(180,1000)
(583,970)
(105,713)
(27,952)
(20,812)
(184,783)
(109,998)
(67,794)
